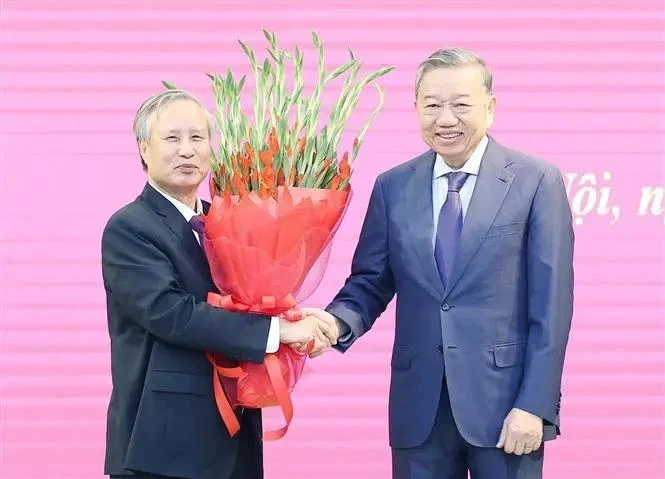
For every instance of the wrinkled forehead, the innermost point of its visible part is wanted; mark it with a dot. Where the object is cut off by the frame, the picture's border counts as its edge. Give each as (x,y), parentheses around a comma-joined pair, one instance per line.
(453,81)
(182,114)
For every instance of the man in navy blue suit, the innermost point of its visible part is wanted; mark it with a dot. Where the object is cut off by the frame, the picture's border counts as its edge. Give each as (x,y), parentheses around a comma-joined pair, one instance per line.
(162,418)
(476,241)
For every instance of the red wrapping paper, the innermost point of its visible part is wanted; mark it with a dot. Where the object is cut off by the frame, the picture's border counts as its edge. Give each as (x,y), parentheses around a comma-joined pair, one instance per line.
(260,253)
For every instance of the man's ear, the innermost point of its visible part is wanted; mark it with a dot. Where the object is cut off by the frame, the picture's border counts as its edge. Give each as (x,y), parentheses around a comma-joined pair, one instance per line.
(490,111)
(143,148)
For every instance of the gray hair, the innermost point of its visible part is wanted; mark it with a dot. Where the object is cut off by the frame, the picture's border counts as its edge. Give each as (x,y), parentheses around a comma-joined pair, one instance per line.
(454,57)
(155,104)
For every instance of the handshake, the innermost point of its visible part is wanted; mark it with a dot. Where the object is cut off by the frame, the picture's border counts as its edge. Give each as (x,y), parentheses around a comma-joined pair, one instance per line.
(317,325)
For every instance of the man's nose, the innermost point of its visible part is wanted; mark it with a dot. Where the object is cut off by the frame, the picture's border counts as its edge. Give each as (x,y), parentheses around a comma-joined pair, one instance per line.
(185,149)
(446,117)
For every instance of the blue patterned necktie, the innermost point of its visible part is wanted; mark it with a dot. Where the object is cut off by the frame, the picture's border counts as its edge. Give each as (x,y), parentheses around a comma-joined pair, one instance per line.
(450,226)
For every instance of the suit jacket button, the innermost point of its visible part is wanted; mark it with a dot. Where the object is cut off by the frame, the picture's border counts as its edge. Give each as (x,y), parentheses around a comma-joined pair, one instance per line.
(445,306)
(440,348)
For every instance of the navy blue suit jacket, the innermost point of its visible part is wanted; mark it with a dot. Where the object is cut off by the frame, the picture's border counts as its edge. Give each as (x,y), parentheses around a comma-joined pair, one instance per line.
(497,334)
(162,417)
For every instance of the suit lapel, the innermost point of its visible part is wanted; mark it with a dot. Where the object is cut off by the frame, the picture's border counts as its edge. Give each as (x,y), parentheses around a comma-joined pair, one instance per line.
(491,187)
(419,212)
(176,224)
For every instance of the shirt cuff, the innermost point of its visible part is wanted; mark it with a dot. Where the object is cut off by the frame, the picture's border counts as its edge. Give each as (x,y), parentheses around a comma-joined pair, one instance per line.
(273,336)
(344,331)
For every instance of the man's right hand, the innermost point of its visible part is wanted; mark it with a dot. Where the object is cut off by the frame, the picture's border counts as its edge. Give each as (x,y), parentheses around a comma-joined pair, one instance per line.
(320,347)
(321,329)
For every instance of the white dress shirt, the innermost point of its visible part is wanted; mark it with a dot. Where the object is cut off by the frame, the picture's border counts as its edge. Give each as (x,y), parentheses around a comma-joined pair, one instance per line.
(440,182)
(188,213)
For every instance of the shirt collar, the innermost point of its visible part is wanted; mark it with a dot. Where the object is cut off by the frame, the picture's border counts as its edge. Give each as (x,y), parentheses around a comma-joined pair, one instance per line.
(472,165)
(185,210)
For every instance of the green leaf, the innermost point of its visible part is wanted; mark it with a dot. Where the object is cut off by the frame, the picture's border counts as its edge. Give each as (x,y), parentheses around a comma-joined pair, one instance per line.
(295,98)
(274,57)
(316,40)
(169,85)
(246,49)
(377,74)
(340,70)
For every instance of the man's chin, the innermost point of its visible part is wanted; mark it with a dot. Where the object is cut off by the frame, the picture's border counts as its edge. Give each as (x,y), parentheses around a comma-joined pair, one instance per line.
(188,182)
(450,152)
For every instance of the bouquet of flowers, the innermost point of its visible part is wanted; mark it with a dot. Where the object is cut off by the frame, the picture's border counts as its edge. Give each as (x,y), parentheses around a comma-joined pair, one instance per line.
(279,190)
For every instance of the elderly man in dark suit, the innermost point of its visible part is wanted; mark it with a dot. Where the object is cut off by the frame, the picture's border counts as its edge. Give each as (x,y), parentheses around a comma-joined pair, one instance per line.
(162,417)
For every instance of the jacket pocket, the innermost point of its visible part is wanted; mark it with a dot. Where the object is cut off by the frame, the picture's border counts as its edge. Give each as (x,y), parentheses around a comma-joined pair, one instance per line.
(504,230)
(180,382)
(510,354)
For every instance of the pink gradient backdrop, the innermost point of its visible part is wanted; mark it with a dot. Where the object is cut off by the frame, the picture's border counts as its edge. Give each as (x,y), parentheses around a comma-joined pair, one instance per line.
(580,83)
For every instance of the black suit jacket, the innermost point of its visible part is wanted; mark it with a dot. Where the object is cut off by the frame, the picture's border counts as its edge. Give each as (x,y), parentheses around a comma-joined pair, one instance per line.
(162,416)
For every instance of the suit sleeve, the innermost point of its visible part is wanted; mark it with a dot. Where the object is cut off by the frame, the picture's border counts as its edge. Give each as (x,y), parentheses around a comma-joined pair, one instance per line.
(550,244)
(142,284)
(370,287)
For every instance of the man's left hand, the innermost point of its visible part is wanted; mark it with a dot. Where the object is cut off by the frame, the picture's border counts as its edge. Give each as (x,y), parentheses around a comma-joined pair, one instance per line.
(522,432)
